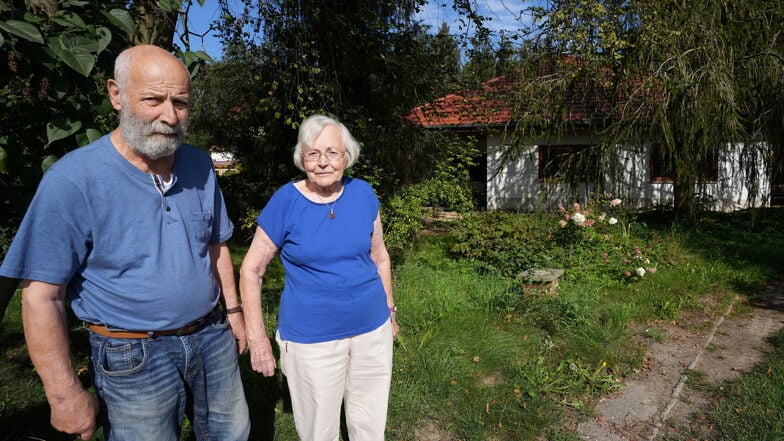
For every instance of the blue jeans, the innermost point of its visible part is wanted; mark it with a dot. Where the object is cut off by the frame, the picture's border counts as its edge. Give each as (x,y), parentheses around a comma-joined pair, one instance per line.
(146,386)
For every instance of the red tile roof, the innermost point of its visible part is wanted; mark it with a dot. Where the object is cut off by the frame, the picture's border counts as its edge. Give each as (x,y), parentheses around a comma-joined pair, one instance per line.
(495,102)
(485,105)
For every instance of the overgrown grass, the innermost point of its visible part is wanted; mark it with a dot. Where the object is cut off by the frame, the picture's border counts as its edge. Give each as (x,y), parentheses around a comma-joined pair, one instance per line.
(479,359)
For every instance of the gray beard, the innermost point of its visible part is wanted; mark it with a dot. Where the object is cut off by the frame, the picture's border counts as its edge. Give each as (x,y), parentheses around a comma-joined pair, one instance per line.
(147,138)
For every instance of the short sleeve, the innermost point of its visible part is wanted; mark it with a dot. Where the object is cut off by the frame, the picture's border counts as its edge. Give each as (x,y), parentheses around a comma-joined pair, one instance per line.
(55,236)
(272,218)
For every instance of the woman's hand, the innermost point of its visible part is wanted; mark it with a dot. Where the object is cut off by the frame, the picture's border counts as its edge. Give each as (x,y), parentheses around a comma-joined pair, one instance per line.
(395,327)
(262,359)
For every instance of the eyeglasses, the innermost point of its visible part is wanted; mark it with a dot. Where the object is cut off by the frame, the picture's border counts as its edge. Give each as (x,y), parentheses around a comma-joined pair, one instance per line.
(315,155)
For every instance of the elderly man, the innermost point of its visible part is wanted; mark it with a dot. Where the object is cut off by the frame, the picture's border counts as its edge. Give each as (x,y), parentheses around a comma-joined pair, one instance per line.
(131,231)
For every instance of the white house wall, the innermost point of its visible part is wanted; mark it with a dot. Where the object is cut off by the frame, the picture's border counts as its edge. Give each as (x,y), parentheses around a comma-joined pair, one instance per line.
(515,184)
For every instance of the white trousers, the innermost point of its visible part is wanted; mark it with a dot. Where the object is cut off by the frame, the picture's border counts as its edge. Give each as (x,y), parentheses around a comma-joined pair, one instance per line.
(355,370)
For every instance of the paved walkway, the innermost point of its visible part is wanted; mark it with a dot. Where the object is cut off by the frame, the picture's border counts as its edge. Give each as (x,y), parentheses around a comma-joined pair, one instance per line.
(655,405)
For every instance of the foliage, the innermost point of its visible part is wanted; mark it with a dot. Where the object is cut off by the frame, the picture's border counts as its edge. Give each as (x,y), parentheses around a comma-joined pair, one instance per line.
(244,199)
(601,240)
(6,236)
(604,239)
(687,77)
(449,189)
(56,58)
(365,63)
(507,243)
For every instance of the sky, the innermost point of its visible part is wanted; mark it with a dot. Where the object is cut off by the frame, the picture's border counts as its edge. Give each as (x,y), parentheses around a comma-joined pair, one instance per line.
(502,14)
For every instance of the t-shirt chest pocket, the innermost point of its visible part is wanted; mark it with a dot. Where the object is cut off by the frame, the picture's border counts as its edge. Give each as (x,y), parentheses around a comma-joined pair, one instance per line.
(201,225)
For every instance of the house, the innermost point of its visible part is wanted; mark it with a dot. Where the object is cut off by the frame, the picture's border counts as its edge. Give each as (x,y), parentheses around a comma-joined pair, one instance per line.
(222,162)
(528,179)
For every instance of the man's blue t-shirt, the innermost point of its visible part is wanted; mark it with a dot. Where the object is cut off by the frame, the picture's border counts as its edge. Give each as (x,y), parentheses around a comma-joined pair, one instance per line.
(133,258)
(332,288)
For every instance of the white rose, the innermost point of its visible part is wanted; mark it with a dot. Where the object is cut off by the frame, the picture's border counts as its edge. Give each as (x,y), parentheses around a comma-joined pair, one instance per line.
(612,221)
(640,271)
(578,218)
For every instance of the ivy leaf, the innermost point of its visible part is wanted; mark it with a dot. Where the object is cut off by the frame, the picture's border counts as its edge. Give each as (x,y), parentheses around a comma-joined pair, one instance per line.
(61,87)
(48,162)
(88,136)
(169,5)
(22,29)
(104,108)
(69,19)
(74,52)
(188,58)
(93,135)
(3,155)
(104,38)
(122,19)
(61,128)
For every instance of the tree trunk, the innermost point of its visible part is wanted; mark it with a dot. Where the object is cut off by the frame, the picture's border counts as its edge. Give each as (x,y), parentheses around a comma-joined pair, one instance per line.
(683,192)
(155,25)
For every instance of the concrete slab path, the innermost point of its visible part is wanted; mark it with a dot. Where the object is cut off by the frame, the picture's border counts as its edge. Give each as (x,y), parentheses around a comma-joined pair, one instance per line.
(656,404)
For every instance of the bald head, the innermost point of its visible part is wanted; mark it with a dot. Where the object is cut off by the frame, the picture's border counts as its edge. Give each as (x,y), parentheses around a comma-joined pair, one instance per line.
(136,59)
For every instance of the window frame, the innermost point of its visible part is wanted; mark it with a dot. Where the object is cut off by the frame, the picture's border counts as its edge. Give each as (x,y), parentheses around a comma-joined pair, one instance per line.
(551,158)
(659,172)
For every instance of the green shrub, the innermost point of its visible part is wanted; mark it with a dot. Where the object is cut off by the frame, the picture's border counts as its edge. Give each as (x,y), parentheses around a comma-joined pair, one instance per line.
(598,240)
(404,214)
(245,196)
(508,243)
(6,236)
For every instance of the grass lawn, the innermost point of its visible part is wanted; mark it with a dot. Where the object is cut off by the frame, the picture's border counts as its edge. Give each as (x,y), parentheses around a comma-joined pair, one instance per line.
(479,360)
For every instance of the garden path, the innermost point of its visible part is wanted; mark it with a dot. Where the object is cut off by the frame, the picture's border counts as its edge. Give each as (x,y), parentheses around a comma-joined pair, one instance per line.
(656,404)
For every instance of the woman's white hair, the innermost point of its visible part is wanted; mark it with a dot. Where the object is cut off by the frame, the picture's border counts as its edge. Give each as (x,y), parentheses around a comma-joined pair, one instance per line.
(311,128)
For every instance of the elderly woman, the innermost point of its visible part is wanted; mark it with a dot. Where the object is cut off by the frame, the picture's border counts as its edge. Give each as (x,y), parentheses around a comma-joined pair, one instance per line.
(337,314)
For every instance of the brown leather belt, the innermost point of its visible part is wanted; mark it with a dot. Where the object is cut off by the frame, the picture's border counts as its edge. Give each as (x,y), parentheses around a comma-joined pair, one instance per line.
(190,328)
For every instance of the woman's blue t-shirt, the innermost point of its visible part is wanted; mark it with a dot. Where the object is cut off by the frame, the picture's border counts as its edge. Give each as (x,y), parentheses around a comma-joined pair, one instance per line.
(332,288)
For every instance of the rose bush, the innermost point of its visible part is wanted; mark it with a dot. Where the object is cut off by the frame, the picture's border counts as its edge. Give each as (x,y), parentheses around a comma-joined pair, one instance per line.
(597,235)
(599,239)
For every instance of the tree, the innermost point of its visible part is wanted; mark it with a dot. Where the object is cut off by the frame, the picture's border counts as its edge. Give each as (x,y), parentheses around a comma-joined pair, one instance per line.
(693,76)
(365,62)
(56,59)
(720,80)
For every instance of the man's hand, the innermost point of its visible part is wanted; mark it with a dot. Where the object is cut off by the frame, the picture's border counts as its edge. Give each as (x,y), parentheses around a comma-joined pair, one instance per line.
(237,323)
(74,410)
(76,414)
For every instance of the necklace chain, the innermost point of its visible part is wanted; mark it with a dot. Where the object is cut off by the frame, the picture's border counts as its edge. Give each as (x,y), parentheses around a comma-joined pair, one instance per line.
(331,207)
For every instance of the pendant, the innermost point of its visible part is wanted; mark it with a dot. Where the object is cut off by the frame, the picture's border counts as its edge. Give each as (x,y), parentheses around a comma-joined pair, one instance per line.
(331,215)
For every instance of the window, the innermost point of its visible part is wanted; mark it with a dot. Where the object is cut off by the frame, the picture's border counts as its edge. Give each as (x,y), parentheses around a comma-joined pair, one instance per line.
(558,161)
(777,180)
(663,166)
